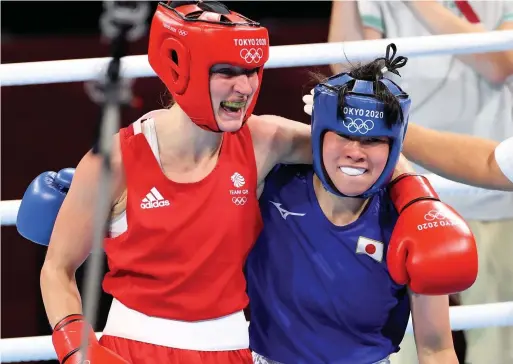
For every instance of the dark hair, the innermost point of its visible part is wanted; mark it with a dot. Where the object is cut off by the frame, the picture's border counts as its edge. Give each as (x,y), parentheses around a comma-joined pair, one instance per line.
(374,71)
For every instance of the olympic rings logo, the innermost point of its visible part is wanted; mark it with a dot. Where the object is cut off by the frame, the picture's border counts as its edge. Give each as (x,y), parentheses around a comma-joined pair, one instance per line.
(182,32)
(358,125)
(251,55)
(239,201)
(434,215)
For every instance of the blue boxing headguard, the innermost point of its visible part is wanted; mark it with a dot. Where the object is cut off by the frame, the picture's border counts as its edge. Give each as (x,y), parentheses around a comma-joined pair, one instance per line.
(362,116)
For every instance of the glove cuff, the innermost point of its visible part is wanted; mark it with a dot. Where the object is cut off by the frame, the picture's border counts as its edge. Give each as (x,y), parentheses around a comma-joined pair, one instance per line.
(409,188)
(67,336)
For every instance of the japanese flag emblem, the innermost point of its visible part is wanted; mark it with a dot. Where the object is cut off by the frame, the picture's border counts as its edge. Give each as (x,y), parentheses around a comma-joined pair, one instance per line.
(372,248)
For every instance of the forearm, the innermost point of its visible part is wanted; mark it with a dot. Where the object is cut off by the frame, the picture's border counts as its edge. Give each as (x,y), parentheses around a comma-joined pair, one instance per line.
(463,158)
(445,356)
(60,294)
(345,25)
(494,66)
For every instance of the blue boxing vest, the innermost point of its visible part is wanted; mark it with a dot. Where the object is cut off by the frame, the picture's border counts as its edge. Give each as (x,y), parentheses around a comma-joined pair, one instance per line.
(321,293)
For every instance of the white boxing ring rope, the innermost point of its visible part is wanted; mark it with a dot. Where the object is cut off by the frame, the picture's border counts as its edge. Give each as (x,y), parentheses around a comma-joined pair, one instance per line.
(30,73)
(18,74)
(462,317)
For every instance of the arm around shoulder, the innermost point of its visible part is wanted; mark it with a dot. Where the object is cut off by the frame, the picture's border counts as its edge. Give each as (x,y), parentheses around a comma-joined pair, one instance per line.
(279,140)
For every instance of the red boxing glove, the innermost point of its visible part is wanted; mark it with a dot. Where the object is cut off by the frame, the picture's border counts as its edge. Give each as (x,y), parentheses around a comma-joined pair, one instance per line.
(431,248)
(67,338)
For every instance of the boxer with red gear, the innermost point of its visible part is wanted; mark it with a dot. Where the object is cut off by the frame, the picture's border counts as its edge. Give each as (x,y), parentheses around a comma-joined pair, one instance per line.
(185,184)
(200,40)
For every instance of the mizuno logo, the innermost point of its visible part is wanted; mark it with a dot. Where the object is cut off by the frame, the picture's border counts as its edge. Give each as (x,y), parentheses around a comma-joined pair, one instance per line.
(284,213)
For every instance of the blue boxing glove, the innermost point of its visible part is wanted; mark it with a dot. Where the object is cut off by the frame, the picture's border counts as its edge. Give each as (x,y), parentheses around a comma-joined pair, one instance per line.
(41,203)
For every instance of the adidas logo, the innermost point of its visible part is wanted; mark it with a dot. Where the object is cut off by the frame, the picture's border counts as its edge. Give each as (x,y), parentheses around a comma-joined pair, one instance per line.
(153,200)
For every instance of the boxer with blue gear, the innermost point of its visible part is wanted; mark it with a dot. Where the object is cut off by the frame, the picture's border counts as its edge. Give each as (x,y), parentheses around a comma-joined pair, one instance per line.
(362,115)
(348,107)
(329,276)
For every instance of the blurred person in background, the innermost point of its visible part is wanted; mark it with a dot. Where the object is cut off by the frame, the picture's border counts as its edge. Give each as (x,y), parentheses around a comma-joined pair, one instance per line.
(475,161)
(472,94)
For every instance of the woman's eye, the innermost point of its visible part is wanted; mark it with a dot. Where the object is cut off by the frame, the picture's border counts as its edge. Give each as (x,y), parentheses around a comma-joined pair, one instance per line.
(251,71)
(232,72)
(373,140)
(227,72)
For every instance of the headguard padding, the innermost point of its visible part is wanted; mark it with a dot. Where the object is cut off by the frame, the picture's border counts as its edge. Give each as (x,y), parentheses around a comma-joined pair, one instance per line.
(187,40)
(363,116)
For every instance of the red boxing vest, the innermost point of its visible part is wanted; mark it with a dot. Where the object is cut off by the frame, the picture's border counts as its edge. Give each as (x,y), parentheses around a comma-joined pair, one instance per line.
(183,253)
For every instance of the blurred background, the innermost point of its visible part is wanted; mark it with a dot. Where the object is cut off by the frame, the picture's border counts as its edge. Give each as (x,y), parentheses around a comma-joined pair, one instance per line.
(50,127)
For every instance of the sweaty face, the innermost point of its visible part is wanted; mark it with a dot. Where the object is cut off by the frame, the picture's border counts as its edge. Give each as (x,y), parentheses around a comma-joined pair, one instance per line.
(354,163)
(231,91)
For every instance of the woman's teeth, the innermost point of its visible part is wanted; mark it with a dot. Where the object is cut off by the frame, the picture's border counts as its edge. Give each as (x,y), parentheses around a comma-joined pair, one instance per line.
(353,171)
(233,106)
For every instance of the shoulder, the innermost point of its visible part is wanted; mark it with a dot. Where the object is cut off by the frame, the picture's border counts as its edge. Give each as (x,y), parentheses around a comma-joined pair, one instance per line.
(283,174)
(88,169)
(268,128)
(265,122)
(91,159)
(287,182)
(262,129)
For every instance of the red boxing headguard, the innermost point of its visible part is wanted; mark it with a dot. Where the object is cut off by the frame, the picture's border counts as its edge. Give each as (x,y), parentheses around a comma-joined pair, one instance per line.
(186,41)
